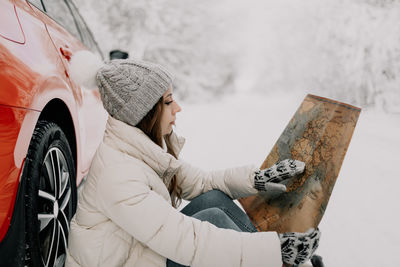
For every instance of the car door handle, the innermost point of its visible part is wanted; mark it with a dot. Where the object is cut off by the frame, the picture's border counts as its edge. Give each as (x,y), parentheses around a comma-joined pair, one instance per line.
(66,53)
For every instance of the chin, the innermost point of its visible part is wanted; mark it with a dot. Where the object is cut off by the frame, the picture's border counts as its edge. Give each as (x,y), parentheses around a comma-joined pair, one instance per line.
(167,132)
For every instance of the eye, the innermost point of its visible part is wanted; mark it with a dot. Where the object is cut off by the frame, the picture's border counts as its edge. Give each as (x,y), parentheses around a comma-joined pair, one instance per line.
(169,102)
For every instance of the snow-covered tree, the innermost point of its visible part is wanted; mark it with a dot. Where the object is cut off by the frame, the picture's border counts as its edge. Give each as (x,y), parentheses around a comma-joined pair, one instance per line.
(182,35)
(347,50)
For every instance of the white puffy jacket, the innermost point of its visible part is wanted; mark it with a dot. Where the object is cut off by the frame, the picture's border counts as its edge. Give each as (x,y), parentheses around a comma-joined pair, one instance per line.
(125,217)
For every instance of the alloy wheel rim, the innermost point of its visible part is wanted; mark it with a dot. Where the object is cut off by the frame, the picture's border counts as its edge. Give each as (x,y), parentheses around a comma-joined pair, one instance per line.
(54,208)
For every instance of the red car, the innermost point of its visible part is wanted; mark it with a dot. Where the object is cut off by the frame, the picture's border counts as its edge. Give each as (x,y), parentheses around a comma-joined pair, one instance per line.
(49,128)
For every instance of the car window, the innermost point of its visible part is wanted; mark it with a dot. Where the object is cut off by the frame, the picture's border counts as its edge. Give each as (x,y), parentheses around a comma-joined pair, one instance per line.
(87,36)
(59,11)
(37,3)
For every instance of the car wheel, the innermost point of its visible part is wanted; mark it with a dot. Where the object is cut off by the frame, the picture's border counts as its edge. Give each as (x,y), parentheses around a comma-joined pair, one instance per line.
(50,195)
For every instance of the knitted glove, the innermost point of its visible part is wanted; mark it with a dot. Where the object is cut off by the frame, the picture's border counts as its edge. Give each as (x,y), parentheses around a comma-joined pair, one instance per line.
(297,248)
(272,178)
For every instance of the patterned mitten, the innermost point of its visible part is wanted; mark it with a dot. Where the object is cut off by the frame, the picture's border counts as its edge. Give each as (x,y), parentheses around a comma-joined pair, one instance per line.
(297,248)
(272,178)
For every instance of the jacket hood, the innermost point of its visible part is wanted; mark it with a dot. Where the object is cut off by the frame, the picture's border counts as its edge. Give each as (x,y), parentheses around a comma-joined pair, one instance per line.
(135,143)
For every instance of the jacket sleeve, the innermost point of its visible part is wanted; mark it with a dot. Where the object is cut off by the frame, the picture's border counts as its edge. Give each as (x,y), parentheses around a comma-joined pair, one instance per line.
(144,214)
(235,182)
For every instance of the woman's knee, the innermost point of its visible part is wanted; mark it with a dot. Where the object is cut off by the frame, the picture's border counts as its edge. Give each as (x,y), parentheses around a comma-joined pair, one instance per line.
(216,217)
(210,199)
(214,196)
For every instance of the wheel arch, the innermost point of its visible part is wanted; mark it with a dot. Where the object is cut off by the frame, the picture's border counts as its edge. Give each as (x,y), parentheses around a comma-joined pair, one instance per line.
(57,111)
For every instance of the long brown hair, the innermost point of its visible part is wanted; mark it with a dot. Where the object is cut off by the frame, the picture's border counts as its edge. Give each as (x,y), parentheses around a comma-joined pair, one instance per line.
(151,126)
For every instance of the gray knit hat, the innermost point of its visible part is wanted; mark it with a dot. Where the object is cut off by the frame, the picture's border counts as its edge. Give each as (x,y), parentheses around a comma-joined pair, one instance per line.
(129,89)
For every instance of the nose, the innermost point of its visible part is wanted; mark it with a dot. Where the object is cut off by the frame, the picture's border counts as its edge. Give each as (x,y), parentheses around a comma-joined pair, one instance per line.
(177,108)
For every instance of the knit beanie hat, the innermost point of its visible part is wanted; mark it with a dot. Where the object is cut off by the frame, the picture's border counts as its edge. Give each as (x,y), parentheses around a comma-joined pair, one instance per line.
(129,89)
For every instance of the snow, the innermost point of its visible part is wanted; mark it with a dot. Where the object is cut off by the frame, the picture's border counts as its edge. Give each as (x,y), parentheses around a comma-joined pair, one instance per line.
(360,224)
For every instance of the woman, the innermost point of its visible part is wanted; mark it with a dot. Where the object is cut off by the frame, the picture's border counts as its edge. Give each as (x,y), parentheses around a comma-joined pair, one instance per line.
(127,214)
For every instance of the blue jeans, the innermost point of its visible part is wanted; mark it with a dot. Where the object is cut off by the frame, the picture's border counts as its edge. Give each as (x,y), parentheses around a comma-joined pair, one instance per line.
(219,209)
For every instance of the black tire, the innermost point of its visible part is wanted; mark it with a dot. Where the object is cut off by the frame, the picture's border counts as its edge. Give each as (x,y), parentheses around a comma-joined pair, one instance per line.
(50,199)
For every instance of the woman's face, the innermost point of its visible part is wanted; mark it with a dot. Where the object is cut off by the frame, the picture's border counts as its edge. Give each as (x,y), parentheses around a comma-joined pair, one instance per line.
(168,115)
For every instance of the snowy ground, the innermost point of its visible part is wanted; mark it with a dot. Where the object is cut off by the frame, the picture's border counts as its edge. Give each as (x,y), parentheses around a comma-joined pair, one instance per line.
(360,225)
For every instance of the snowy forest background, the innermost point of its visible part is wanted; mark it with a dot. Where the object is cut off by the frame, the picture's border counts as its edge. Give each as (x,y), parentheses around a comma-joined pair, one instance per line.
(242,68)
(346,50)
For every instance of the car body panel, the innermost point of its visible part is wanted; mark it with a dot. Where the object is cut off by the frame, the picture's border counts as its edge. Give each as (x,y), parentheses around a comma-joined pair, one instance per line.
(10,27)
(11,119)
(86,100)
